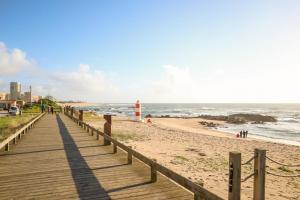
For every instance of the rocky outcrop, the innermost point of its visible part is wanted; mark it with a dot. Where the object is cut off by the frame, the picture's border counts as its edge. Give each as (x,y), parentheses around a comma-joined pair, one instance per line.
(208,124)
(241,118)
(148,116)
(253,118)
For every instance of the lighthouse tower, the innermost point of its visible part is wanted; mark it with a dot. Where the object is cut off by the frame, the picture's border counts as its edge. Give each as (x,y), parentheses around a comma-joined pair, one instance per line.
(138,111)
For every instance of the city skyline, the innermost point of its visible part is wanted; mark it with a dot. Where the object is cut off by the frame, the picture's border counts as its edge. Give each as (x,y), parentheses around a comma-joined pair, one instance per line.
(170,51)
(15,93)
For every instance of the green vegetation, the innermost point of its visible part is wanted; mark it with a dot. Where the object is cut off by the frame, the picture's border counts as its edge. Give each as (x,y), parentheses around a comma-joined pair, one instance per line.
(285,169)
(123,136)
(89,116)
(9,124)
(47,102)
(35,108)
(179,160)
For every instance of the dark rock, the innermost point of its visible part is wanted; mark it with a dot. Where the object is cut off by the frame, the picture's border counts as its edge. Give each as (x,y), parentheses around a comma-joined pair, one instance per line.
(257,122)
(148,116)
(208,124)
(241,118)
(254,117)
(202,154)
(165,116)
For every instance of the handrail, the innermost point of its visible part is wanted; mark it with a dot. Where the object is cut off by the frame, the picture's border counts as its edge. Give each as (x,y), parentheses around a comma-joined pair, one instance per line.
(5,142)
(199,191)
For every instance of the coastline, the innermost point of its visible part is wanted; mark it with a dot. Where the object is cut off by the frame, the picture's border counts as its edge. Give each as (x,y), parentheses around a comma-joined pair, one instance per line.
(77,104)
(201,153)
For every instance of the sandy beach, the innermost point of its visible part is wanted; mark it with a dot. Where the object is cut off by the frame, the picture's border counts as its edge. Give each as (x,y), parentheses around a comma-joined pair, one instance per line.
(201,153)
(77,104)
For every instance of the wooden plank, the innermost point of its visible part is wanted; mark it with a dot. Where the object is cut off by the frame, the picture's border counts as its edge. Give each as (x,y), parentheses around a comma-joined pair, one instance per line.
(199,191)
(49,164)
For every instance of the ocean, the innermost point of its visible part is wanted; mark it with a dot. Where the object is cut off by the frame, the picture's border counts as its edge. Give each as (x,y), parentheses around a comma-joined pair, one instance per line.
(286,130)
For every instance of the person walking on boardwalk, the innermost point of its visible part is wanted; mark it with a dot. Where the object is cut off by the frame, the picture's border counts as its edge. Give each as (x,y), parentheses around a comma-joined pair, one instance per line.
(43,108)
(52,110)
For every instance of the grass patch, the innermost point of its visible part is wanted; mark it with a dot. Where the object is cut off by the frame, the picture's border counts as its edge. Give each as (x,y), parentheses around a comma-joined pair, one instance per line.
(32,109)
(179,160)
(9,124)
(285,169)
(212,164)
(89,116)
(123,136)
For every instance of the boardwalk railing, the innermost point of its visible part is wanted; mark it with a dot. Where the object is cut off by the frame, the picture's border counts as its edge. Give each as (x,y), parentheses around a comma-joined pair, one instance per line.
(14,137)
(259,173)
(200,193)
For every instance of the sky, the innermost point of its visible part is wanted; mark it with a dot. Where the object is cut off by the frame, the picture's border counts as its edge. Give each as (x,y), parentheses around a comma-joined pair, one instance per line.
(169,51)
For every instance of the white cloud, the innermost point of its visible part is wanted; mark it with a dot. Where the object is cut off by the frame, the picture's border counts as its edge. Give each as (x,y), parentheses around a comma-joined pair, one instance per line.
(81,84)
(176,85)
(14,61)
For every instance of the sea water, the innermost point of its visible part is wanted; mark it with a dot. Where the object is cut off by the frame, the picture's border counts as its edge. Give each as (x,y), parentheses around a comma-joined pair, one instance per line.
(285,130)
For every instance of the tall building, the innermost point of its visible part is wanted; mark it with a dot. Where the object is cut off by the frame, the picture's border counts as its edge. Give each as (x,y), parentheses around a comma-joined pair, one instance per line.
(15,90)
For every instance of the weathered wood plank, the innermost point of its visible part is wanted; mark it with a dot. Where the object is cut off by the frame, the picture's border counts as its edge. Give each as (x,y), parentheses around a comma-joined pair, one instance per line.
(59,160)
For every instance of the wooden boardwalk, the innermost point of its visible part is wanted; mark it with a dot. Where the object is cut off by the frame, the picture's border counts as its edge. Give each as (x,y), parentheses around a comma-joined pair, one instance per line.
(59,160)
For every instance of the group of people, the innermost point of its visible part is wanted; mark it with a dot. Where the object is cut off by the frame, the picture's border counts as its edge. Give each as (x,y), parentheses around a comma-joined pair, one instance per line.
(50,109)
(242,134)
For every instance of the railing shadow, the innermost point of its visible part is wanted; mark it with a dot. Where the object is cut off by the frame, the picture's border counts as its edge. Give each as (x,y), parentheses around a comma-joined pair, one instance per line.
(85,181)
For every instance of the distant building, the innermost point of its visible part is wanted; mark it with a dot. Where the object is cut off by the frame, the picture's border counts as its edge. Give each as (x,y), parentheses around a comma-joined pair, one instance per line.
(15,90)
(4,96)
(28,97)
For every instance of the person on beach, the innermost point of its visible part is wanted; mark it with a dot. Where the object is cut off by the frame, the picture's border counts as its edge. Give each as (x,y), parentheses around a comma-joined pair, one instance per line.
(246,134)
(241,134)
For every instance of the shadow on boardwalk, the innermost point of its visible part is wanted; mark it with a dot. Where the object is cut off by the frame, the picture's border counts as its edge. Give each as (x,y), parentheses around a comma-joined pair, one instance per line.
(86,183)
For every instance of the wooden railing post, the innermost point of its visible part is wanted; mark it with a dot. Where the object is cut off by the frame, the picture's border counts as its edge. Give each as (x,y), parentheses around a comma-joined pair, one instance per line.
(81,115)
(234,185)
(115,148)
(107,128)
(198,196)
(129,156)
(92,132)
(259,177)
(153,173)
(7,147)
